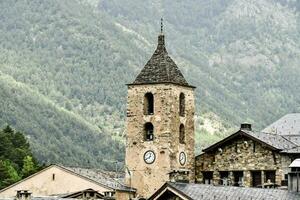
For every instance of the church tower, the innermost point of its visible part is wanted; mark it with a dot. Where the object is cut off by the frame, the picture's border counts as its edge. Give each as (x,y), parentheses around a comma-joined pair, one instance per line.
(159,125)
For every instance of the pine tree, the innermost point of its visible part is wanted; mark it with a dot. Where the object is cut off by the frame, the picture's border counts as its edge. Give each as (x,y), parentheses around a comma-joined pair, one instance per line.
(28,166)
(8,174)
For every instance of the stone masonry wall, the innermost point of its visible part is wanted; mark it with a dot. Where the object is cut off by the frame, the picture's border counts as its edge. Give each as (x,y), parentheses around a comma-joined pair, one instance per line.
(242,158)
(147,178)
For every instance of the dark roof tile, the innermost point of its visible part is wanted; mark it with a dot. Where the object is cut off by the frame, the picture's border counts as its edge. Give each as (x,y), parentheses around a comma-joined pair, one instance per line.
(287,125)
(209,192)
(277,142)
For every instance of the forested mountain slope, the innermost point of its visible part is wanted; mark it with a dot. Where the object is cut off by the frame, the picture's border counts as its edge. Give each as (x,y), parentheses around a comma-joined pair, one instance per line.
(56,135)
(74,58)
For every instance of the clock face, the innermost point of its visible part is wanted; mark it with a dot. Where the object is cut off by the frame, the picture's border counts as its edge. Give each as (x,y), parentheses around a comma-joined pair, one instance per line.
(182,158)
(149,157)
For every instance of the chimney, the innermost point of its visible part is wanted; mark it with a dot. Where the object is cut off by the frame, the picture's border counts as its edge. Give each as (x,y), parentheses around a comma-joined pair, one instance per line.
(23,195)
(246,127)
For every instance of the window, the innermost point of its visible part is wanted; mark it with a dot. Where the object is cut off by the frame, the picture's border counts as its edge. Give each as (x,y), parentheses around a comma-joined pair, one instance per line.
(181,104)
(181,134)
(207,177)
(254,147)
(256,178)
(148,104)
(270,176)
(224,178)
(53,177)
(238,178)
(149,129)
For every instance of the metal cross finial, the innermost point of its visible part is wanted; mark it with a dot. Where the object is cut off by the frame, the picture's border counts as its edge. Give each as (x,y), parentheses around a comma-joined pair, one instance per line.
(161,25)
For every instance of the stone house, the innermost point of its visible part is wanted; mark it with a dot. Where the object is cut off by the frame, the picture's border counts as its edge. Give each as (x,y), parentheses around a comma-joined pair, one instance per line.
(248,158)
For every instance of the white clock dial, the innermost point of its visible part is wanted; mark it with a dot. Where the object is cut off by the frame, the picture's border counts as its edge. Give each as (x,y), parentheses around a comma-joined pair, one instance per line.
(182,158)
(149,157)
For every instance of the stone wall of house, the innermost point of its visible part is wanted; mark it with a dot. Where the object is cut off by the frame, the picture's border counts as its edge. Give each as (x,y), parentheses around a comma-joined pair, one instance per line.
(147,178)
(241,155)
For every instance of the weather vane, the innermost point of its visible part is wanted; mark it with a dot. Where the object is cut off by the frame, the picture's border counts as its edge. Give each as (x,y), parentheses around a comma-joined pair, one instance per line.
(161,25)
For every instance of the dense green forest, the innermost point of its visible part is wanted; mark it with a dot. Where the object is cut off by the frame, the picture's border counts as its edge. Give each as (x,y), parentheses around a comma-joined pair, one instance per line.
(16,158)
(64,65)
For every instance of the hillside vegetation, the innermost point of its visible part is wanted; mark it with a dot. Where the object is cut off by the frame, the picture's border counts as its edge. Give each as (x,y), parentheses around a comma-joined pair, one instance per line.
(64,66)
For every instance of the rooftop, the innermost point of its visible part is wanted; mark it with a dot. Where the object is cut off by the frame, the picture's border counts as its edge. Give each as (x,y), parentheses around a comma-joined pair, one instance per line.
(160,68)
(206,192)
(209,192)
(295,163)
(102,177)
(287,125)
(282,143)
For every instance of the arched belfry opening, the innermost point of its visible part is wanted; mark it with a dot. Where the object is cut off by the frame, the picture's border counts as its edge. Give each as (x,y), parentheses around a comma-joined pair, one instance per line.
(148,104)
(181,134)
(148,131)
(181,104)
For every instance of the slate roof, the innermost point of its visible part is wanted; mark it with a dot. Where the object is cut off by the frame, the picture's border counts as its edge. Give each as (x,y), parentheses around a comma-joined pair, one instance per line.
(281,143)
(101,177)
(287,125)
(160,68)
(277,141)
(209,192)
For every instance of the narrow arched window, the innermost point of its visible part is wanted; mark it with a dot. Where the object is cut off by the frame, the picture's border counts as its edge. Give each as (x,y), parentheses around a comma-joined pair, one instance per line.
(181,104)
(181,134)
(149,131)
(148,104)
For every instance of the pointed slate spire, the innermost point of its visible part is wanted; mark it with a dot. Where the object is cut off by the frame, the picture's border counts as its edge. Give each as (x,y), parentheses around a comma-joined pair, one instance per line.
(161,68)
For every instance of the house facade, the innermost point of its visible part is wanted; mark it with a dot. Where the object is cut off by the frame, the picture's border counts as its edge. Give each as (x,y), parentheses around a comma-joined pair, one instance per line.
(247,159)
(60,180)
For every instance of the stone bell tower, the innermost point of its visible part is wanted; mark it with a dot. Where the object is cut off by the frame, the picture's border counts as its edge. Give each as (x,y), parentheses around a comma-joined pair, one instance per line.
(159,125)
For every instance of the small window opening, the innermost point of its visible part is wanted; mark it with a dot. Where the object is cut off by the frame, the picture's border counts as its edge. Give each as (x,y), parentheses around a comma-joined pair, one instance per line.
(149,130)
(181,104)
(148,104)
(53,177)
(181,134)
(254,148)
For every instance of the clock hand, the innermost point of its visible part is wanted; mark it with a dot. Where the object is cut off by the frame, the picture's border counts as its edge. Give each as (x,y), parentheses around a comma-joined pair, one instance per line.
(148,157)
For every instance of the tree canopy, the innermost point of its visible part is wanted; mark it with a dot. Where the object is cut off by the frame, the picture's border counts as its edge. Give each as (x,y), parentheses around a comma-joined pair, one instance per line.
(16,158)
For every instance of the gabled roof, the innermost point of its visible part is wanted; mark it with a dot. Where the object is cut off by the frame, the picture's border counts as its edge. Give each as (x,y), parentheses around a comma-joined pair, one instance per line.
(93,175)
(191,191)
(169,188)
(160,68)
(79,194)
(273,141)
(287,125)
